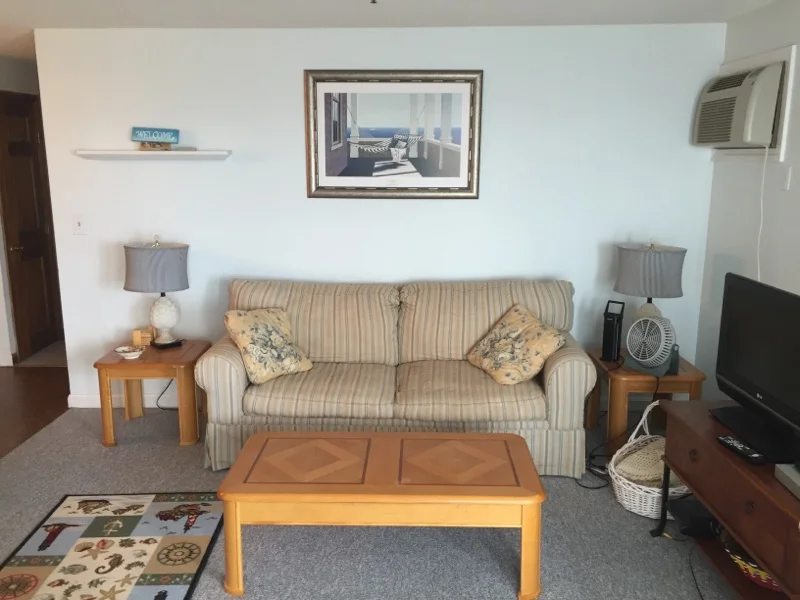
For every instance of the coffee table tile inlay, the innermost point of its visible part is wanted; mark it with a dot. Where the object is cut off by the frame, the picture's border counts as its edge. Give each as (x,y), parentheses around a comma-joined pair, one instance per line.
(385,479)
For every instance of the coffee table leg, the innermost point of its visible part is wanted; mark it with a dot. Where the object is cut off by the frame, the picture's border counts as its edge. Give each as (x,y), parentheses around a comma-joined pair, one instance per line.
(234,576)
(106,410)
(530,583)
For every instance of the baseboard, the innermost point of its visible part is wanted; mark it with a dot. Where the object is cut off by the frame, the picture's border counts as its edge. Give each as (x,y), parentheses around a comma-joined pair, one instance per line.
(169,400)
(7,359)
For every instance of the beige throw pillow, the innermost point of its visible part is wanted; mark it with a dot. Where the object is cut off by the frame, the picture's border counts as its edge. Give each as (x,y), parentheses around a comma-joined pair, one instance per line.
(516,347)
(264,337)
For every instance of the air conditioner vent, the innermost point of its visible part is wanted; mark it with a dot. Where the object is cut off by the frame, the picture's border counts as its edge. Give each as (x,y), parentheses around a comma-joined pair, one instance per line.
(716,121)
(731,81)
(739,110)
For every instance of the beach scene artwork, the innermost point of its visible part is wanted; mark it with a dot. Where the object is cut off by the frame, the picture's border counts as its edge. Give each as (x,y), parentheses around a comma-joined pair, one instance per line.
(398,135)
(393,135)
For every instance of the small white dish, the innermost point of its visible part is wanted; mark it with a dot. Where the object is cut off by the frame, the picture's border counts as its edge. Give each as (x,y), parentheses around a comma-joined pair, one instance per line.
(129,352)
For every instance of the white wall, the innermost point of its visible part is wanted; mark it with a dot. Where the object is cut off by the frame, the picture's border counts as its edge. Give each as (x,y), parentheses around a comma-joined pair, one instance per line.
(15,76)
(585,143)
(734,219)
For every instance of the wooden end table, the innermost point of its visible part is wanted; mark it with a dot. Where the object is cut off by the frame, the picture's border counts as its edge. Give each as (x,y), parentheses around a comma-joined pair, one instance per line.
(174,363)
(384,479)
(623,380)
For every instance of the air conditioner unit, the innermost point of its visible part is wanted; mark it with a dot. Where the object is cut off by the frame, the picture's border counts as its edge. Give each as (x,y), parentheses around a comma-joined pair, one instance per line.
(739,110)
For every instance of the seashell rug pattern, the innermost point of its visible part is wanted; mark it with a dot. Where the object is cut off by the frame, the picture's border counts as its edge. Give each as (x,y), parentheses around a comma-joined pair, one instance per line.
(131,547)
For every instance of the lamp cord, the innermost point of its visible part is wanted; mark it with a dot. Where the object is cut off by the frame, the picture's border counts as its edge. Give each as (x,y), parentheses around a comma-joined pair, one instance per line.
(169,383)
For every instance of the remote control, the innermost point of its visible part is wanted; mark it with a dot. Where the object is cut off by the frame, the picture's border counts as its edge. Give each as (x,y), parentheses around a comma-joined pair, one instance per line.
(743,450)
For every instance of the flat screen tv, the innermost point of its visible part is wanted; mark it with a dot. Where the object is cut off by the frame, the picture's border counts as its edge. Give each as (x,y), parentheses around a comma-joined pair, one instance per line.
(758,366)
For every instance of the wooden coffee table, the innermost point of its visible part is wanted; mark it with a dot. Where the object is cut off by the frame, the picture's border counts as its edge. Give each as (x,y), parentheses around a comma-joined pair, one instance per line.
(384,479)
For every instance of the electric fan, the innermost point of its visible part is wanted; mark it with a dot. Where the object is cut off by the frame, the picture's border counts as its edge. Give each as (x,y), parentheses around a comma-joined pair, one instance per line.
(650,341)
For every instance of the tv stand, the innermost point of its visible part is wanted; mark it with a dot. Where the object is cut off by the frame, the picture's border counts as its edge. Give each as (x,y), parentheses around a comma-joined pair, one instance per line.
(778,445)
(755,509)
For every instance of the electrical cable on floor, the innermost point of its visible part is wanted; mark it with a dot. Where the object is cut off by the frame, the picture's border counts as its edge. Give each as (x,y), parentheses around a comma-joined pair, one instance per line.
(601,472)
(694,575)
(161,394)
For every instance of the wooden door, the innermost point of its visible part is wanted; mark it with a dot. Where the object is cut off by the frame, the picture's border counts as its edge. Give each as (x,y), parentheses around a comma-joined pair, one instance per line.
(28,225)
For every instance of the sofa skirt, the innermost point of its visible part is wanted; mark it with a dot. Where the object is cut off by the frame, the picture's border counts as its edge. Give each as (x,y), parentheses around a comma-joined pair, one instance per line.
(555,451)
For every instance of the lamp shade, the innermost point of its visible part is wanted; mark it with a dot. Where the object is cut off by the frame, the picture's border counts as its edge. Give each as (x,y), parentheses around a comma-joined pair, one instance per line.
(156,268)
(649,271)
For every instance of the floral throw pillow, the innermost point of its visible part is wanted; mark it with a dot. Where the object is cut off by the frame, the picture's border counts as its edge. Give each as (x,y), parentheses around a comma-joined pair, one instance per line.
(516,347)
(264,337)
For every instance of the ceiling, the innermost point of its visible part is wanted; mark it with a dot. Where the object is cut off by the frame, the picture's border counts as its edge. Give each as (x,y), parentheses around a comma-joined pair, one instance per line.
(30,14)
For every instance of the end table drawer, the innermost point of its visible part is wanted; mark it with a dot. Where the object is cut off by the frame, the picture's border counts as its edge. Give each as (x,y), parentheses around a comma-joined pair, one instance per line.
(733,499)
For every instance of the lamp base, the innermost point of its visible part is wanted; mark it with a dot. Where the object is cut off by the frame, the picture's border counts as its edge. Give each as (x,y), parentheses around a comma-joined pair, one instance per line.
(164,316)
(165,345)
(648,309)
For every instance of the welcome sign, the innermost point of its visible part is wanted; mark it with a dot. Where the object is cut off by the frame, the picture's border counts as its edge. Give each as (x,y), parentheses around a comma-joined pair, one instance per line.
(153,134)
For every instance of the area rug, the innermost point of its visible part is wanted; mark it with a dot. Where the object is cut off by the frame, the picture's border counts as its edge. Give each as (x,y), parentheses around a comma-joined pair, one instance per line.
(131,547)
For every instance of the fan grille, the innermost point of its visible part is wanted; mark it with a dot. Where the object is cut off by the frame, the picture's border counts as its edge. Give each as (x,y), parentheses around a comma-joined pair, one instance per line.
(650,340)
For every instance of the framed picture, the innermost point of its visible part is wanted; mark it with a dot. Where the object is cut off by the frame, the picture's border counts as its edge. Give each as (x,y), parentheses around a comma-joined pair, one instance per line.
(393,134)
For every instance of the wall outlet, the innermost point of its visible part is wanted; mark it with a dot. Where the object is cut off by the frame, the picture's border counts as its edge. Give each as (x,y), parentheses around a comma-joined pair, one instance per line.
(79,225)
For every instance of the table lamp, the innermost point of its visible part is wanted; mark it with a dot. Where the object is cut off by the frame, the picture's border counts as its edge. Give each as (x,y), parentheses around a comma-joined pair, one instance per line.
(649,271)
(158,268)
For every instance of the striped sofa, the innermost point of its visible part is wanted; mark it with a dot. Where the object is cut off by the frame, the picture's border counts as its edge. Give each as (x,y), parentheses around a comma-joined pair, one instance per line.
(392,358)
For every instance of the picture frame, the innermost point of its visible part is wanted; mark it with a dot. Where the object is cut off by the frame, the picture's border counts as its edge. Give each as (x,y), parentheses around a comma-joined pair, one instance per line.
(393,134)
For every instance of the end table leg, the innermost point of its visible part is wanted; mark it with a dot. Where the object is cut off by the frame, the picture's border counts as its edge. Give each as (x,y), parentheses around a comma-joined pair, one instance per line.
(593,406)
(106,410)
(234,576)
(617,416)
(696,391)
(134,406)
(530,585)
(187,406)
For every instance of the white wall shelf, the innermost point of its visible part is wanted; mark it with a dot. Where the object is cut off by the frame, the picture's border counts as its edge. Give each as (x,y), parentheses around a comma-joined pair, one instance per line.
(153,155)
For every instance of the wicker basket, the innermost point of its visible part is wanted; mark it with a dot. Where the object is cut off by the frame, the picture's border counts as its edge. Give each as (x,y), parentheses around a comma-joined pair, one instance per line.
(644,500)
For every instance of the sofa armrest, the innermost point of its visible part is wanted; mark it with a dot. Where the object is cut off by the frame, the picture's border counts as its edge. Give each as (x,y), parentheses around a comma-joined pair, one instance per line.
(220,372)
(568,376)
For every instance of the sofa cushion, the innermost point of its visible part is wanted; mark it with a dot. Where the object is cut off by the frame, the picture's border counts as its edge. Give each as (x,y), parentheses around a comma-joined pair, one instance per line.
(444,320)
(331,322)
(454,390)
(264,338)
(327,390)
(516,347)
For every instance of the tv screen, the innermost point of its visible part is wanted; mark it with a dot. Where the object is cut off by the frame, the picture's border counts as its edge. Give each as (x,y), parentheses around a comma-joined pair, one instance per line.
(758,360)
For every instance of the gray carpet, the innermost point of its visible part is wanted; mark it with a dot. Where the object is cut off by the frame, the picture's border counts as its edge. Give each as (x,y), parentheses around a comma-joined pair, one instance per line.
(591,548)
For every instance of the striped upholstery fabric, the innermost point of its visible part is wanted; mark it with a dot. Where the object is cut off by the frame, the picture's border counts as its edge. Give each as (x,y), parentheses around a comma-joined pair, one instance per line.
(331,322)
(439,323)
(328,390)
(454,390)
(569,376)
(555,451)
(444,320)
(221,373)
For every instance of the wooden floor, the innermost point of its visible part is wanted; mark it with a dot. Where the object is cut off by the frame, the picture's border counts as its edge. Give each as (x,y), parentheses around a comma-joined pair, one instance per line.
(30,399)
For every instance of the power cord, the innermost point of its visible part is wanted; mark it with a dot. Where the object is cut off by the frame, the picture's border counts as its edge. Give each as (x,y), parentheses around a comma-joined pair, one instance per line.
(162,394)
(761,213)
(692,552)
(601,472)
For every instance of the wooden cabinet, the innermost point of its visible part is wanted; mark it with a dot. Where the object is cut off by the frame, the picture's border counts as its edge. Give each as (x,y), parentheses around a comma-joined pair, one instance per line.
(752,505)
